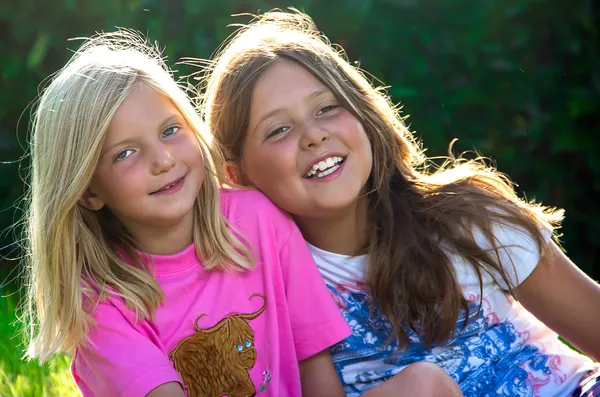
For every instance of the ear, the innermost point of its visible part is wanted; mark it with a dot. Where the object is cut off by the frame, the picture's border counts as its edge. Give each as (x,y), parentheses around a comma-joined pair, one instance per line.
(232,172)
(90,201)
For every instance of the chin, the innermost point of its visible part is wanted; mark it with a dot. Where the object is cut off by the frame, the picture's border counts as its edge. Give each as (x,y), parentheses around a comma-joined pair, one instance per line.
(329,208)
(176,215)
(169,221)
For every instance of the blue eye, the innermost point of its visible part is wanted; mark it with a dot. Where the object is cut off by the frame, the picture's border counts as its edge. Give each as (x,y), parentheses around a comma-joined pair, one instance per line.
(248,343)
(123,155)
(170,131)
(239,347)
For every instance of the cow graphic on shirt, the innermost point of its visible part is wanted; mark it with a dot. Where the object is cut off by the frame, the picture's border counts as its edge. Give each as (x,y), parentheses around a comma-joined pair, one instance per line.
(215,361)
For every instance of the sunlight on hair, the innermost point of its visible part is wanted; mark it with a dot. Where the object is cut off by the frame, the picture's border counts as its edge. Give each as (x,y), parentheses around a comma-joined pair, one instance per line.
(413,201)
(72,262)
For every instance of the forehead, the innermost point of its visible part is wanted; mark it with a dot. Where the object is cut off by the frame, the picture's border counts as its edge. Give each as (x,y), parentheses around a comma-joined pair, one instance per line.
(143,108)
(283,79)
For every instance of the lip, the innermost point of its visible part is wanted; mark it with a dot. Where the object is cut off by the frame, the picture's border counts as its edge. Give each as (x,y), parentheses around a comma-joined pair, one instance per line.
(178,182)
(321,158)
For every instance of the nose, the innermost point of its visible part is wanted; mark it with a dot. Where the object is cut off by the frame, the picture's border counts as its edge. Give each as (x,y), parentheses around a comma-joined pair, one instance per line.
(162,159)
(314,136)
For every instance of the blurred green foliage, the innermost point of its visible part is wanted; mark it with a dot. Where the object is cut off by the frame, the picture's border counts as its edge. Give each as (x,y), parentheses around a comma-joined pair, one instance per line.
(519,81)
(19,378)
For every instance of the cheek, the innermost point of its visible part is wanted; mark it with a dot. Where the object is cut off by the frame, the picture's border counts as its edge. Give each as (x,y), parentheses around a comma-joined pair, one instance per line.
(258,170)
(189,148)
(359,140)
(367,150)
(118,180)
(197,158)
(265,167)
(106,186)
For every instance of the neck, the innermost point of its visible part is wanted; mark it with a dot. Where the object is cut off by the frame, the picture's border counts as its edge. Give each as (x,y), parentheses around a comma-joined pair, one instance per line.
(343,232)
(163,240)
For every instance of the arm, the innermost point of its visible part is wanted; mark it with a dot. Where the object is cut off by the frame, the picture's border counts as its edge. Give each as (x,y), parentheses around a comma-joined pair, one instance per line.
(122,358)
(171,389)
(565,299)
(421,379)
(318,377)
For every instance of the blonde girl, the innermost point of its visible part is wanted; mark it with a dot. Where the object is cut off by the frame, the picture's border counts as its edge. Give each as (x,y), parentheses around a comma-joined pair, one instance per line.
(159,283)
(445,265)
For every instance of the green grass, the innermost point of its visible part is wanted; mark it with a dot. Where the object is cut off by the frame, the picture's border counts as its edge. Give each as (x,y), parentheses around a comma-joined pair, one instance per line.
(20,378)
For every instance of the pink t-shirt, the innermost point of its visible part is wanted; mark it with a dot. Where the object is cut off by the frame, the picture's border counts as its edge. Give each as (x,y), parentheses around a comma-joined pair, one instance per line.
(219,333)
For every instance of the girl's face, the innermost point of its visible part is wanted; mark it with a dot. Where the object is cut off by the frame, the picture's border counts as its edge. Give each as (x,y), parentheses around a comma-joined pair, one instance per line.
(308,154)
(151,168)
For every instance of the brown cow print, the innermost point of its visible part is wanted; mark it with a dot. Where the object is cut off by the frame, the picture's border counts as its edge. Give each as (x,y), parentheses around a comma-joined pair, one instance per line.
(215,361)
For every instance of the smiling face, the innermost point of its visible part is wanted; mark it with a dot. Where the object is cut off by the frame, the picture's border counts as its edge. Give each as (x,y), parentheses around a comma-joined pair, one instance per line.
(306,152)
(150,168)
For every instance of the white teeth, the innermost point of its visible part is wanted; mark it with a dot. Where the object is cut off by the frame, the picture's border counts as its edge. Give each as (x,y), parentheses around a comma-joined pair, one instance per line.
(327,165)
(329,171)
(170,186)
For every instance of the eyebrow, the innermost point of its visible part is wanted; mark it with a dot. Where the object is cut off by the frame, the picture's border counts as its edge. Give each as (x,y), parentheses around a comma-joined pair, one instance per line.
(169,120)
(309,97)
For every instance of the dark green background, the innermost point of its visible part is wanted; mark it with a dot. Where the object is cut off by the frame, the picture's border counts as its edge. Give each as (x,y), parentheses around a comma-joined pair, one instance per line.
(517,80)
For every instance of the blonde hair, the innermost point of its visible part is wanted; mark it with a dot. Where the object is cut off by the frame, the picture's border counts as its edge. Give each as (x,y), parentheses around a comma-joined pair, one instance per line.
(413,206)
(71,251)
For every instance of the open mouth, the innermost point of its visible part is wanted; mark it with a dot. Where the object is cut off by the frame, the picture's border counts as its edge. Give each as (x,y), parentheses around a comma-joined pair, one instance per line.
(324,167)
(171,186)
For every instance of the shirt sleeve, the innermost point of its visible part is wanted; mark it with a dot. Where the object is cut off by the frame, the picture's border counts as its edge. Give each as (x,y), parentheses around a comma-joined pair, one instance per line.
(316,321)
(518,253)
(120,358)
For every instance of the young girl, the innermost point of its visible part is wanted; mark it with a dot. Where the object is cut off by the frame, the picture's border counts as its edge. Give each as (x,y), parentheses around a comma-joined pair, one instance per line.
(458,270)
(158,281)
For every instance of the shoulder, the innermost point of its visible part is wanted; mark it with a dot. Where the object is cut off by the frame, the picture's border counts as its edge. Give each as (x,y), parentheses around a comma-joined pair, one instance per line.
(248,199)
(509,243)
(253,213)
(103,303)
(110,308)
(508,233)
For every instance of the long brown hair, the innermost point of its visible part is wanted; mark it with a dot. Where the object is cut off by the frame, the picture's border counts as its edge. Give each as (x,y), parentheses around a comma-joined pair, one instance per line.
(414,206)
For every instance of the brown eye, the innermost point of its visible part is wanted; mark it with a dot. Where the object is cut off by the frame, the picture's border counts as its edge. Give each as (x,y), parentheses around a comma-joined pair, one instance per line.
(277,131)
(327,109)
